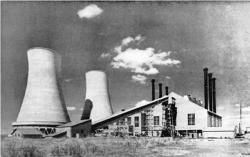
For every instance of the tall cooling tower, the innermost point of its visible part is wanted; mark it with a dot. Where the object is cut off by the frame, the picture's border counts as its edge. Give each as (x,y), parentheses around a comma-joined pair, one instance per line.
(97,92)
(43,103)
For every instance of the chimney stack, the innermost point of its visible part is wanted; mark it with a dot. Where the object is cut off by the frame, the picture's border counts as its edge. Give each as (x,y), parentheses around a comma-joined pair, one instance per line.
(160,90)
(166,90)
(153,89)
(206,87)
(214,94)
(210,89)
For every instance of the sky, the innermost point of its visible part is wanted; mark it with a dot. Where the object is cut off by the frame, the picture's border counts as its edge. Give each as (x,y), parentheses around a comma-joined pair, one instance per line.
(132,42)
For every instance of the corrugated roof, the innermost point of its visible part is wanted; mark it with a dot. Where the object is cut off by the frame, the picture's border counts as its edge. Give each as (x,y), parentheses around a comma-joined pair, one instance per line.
(70,124)
(130,111)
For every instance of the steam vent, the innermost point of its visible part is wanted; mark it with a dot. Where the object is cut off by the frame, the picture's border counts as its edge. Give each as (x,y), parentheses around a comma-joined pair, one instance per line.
(97,92)
(43,104)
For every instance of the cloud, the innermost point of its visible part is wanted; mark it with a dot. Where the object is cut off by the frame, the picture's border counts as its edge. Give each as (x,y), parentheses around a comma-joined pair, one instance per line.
(141,103)
(105,55)
(168,77)
(138,39)
(246,109)
(233,120)
(68,80)
(89,11)
(237,105)
(140,61)
(139,78)
(71,108)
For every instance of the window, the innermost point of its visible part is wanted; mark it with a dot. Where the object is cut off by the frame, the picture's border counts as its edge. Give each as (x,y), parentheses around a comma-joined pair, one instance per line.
(156,120)
(129,120)
(143,119)
(122,122)
(191,119)
(136,121)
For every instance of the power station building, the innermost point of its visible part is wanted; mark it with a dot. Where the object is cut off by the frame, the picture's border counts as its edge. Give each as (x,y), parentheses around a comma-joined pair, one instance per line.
(170,115)
(44,110)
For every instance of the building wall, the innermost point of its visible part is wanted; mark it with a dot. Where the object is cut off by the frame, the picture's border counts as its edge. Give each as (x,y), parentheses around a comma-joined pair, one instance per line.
(214,132)
(185,107)
(80,130)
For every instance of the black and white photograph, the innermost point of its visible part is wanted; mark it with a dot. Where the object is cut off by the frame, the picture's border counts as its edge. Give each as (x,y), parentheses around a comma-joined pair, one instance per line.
(125,79)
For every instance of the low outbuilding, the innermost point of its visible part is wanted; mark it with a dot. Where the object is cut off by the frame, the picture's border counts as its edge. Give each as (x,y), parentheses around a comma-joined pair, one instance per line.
(77,129)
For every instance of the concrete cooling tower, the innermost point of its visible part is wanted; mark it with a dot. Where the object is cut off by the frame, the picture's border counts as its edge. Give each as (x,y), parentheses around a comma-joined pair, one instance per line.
(43,104)
(97,92)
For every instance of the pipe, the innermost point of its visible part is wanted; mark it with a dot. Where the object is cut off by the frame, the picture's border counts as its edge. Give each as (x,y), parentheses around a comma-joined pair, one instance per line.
(166,90)
(206,87)
(214,95)
(153,89)
(210,89)
(160,90)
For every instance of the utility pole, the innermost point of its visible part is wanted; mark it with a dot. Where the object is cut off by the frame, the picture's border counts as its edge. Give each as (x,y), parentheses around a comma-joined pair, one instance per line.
(240,132)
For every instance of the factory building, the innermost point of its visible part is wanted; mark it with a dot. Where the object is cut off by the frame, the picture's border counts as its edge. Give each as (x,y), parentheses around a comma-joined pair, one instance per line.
(191,120)
(174,115)
(43,110)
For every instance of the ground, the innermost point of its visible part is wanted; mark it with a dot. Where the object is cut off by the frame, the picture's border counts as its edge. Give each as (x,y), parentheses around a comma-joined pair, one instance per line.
(126,147)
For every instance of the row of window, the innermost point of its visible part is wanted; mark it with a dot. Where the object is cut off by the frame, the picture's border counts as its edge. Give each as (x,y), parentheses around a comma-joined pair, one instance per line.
(136,121)
(191,120)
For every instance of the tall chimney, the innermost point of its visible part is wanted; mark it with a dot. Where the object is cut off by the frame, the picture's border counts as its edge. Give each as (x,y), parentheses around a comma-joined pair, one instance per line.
(153,89)
(214,95)
(160,90)
(166,90)
(205,87)
(210,89)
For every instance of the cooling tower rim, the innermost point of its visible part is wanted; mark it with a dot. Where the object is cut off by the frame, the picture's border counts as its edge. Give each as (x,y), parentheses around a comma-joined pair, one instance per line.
(38,123)
(43,48)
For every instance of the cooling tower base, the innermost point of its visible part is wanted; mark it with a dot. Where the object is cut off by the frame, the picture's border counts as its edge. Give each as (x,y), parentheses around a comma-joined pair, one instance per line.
(42,124)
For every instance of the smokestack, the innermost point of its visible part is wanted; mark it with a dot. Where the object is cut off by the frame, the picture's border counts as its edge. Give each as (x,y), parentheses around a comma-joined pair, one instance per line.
(97,92)
(160,90)
(206,87)
(166,90)
(210,89)
(43,104)
(153,89)
(214,94)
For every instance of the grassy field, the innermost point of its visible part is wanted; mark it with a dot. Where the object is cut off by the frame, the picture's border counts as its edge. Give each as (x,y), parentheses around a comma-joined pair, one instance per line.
(124,147)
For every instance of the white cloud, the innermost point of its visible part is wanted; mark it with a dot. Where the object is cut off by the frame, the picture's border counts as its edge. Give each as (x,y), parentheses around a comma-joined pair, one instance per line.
(139,78)
(140,61)
(68,80)
(168,77)
(105,55)
(138,39)
(71,108)
(237,105)
(141,103)
(246,109)
(89,11)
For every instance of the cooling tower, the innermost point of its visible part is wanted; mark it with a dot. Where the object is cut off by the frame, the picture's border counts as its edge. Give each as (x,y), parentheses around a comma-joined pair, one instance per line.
(97,92)
(43,103)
